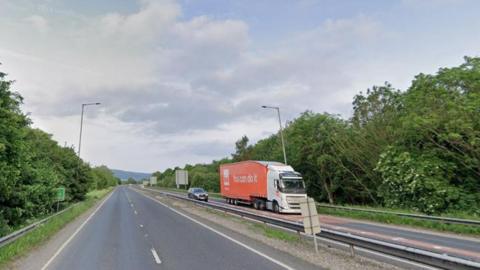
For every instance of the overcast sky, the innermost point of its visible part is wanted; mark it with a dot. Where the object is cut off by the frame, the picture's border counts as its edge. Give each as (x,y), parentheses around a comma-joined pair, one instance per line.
(181,81)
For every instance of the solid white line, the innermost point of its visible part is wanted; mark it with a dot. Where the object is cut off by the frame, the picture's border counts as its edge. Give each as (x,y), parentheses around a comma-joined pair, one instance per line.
(223,235)
(74,234)
(155,256)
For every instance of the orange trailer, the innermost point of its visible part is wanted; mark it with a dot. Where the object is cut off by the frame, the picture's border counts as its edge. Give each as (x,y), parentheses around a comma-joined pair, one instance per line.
(263,184)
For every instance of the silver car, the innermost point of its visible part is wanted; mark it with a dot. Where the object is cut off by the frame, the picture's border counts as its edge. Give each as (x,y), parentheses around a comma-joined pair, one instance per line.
(198,194)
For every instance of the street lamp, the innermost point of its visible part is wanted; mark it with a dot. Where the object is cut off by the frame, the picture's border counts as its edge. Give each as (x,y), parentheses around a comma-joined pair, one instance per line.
(281,129)
(81,124)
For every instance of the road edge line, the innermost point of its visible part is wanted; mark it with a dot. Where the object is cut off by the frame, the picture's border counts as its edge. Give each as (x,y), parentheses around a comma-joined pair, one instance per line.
(155,256)
(220,233)
(75,233)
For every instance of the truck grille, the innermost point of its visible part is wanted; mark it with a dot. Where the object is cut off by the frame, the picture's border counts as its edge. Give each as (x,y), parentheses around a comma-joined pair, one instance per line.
(294,201)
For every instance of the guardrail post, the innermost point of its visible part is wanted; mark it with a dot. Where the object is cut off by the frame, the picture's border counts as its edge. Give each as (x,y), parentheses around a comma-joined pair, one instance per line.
(352,250)
(315,243)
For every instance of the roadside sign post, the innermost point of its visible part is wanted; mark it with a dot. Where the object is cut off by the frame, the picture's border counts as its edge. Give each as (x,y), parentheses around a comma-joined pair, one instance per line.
(60,196)
(153,180)
(181,178)
(311,224)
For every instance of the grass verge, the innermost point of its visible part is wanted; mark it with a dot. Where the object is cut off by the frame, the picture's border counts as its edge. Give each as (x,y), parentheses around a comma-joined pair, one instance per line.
(405,221)
(275,233)
(34,238)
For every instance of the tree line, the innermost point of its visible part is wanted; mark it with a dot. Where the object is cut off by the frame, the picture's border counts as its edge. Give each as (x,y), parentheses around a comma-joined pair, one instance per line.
(413,149)
(33,166)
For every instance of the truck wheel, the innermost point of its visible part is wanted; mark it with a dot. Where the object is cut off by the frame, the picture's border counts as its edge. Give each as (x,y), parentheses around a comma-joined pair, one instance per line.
(262,205)
(256,204)
(276,208)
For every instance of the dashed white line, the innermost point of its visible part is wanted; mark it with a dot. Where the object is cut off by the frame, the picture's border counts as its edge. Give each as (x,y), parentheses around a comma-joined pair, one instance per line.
(74,234)
(155,256)
(222,234)
(141,225)
(135,211)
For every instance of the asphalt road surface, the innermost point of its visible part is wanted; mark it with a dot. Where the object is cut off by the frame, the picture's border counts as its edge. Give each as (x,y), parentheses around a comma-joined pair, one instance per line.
(131,231)
(435,242)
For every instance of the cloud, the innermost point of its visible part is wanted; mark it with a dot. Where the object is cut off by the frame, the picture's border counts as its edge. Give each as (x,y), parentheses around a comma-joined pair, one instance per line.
(38,22)
(430,3)
(180,90)
(164,76)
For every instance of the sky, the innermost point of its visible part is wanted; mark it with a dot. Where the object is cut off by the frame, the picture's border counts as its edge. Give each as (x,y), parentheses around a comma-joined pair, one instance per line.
(180,81)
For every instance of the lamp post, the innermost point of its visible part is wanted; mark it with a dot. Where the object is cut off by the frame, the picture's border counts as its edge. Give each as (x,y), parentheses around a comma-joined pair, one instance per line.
(281,129)
(81,123)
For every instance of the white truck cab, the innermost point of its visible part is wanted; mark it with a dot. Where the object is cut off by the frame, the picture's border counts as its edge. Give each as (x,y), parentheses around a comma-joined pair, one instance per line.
(285,189)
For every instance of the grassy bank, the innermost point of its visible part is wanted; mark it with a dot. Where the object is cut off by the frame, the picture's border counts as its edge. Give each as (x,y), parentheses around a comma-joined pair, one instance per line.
(405,221)
(24,244)
(274,233)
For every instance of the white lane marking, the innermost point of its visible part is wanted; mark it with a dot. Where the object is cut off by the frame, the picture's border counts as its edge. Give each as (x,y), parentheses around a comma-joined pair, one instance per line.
(131,204)
(135,211)
(223,235)
(398,239)
(141,225)
(155,256)
(437,247)
(74,234)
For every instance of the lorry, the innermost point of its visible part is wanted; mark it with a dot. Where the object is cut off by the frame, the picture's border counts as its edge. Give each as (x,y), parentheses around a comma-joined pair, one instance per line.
(263,184)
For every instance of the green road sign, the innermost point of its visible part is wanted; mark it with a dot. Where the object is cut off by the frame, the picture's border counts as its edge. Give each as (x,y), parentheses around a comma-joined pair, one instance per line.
(61,194)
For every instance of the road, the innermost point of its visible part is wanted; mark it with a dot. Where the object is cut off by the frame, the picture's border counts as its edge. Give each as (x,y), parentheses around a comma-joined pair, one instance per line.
(131,231)
(435,242)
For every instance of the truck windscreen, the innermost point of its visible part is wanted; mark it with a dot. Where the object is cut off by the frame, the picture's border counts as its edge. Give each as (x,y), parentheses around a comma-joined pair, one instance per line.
(294,185)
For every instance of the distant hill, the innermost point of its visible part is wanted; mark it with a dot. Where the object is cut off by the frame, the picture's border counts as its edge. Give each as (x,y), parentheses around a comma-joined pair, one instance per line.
(124,175)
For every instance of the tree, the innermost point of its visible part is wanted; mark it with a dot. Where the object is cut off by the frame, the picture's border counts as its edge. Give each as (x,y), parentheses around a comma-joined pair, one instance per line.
(33,166)
(103,178)
(242,150)
(132,181)
(13,155)
(434,164)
